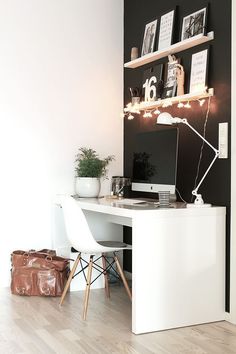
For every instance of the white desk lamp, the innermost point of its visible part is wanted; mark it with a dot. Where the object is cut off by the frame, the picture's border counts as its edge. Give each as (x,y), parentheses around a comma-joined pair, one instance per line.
(166,118)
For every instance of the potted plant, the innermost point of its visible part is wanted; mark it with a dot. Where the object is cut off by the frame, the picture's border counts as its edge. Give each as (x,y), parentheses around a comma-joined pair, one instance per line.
(89,169)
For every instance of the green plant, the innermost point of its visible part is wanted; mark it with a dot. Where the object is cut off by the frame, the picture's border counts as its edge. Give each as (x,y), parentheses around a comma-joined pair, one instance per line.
(88,163)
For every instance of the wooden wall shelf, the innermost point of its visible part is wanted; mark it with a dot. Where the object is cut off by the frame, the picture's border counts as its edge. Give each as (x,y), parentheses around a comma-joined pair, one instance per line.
(174,48)
(146,106)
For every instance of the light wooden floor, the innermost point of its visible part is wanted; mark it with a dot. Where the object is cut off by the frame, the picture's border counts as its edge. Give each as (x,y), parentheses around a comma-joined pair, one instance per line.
(37,325)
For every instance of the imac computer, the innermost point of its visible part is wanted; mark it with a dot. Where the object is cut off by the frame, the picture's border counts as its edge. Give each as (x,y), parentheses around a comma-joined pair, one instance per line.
(155,161)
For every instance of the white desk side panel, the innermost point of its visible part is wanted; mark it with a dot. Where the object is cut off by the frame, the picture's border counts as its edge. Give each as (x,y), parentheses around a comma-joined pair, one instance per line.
(178,269)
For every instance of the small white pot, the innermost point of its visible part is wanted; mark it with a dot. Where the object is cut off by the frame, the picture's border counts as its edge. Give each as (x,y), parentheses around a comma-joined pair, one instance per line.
(87,187)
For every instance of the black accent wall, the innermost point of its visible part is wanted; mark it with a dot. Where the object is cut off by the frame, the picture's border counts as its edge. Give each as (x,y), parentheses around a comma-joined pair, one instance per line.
(216,187)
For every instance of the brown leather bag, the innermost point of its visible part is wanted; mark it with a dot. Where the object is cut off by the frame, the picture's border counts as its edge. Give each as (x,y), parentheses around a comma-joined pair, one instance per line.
(38,273)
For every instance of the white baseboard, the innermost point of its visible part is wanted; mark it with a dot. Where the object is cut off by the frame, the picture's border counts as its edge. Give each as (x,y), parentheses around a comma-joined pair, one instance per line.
(229,318)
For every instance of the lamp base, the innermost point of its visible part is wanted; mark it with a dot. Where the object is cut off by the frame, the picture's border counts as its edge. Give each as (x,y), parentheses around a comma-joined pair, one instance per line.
(192,205)
(198,202)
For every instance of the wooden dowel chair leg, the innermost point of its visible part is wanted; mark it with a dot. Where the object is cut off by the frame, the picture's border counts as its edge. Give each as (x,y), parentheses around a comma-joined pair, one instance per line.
(72,272)
(120,270)
(107,290)
(87,291)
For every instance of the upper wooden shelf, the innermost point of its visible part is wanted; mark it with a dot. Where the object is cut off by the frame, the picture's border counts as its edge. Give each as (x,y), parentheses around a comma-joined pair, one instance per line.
(174,48)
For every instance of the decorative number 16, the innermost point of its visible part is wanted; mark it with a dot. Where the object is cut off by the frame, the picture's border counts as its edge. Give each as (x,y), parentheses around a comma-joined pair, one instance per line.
(150,89)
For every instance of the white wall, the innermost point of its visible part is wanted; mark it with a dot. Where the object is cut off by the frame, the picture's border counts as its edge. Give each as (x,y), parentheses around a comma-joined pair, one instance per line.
(60,88)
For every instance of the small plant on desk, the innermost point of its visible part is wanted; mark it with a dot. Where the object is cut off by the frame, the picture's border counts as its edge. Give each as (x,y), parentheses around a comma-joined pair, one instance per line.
(89,169)
(90,165)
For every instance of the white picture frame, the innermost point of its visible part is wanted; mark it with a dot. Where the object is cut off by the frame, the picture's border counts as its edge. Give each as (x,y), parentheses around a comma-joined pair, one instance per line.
(166,30)
(194,24)
(198,75)
(149,38)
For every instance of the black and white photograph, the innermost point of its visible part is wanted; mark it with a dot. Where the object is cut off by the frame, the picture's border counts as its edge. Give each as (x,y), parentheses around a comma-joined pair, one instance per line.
(149,38)
(198,72)
(194,24)
(170,86)
(166,30)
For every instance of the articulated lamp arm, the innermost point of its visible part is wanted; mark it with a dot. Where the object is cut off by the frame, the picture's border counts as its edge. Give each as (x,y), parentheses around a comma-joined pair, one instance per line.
(199,200)
(167,119)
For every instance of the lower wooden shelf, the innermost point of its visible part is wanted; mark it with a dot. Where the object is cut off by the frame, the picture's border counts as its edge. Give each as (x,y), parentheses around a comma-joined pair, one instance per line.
(175,100)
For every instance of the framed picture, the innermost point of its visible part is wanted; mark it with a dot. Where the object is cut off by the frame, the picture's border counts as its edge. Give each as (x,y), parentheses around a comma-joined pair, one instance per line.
(152,87)
(149,38)
(166,30)
(170,84)
(194,24)
(198,77)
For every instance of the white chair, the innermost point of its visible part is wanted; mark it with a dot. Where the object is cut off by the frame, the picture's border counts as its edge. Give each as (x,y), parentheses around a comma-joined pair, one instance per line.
(82,240)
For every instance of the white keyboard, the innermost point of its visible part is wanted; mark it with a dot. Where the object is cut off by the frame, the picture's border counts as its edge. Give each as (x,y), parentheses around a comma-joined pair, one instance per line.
(130,201)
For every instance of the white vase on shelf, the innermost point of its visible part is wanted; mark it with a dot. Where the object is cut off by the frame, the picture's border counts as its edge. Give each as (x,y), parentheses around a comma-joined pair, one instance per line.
(87,187)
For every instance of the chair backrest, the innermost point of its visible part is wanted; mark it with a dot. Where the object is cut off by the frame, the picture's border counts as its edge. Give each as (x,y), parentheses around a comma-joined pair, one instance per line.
(77,228)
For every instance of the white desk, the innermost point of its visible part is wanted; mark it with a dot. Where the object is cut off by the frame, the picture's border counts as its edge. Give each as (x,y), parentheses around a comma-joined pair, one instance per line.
(178,261)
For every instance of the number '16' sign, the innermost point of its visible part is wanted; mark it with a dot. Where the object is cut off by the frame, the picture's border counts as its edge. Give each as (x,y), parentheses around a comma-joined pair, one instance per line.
(150,89)
(151,83)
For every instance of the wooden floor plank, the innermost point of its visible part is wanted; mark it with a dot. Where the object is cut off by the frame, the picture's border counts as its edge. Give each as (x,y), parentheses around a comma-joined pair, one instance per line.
(38,325)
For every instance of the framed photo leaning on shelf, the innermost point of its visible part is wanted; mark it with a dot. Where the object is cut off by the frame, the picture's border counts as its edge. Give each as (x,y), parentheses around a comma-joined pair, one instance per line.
(149,38)
(194,24)
(170,81)
(166,30)
(199,66)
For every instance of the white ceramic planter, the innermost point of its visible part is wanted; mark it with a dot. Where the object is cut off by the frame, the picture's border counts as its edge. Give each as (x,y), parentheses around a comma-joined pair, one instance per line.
(87,187)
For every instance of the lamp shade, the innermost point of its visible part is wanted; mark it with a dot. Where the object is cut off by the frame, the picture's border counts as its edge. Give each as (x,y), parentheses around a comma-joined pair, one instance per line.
(165,118)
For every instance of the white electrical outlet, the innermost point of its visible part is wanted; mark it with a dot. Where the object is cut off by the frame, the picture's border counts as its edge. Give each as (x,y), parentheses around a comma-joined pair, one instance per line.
(223,140)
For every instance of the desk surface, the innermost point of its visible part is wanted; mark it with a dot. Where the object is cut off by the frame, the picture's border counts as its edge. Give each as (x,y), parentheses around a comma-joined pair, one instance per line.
(133,207)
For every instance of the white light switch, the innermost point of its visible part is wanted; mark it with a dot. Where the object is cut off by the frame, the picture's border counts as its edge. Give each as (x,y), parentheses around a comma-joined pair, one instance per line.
(223,140)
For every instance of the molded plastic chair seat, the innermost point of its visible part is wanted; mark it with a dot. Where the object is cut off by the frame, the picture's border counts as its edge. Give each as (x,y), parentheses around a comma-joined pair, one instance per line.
(81,238)
(114,244)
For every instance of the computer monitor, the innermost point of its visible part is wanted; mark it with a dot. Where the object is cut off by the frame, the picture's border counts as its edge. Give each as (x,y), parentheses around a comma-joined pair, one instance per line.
(155,160)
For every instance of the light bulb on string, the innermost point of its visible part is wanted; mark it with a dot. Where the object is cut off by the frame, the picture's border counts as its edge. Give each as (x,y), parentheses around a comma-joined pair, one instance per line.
(201,102)
(135,110)
(147,115)
(130,117)
(156,111)
(180,105)
(187,105)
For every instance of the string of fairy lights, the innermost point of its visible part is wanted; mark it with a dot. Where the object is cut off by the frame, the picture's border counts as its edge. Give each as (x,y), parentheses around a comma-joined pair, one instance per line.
(136,108)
